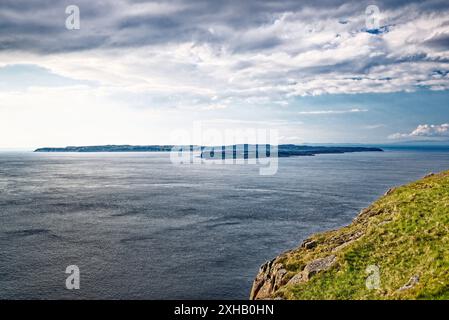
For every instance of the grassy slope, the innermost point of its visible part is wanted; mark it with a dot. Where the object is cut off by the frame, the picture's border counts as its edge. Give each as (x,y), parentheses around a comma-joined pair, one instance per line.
(406,233)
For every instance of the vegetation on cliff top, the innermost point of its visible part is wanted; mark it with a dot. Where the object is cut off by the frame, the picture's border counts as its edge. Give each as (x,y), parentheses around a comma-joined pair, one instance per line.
(404,236)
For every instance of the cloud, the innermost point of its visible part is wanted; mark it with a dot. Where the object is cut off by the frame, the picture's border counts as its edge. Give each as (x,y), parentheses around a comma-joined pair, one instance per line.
(425,130)
(318,112)
(242,52)
(214,107)
(290,139)
(374,126)
(273,122)
(14,77)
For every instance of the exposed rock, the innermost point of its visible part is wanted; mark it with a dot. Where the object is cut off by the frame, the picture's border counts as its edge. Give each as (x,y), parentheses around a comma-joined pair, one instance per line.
(366,214)
(356,235)
(319,265)
(269,279)
(279,278)
(297,279)
(430,174)
(385,222)
(343,245)
(313,268)
(328,250)
(363,212)
(414,280)
(389,191)
(344,240)
(309,244)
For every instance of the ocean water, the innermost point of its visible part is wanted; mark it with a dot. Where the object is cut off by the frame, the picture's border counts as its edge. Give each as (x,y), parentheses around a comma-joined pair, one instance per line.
(139,227)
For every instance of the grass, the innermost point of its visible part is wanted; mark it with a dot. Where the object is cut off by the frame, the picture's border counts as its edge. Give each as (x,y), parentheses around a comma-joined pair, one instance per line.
(405,234)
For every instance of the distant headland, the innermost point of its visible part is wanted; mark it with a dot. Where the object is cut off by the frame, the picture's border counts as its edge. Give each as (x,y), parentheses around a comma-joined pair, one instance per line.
(209,152)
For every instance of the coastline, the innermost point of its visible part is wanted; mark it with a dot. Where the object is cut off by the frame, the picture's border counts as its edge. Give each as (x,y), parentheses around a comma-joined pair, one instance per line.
(220,152)
(383,238)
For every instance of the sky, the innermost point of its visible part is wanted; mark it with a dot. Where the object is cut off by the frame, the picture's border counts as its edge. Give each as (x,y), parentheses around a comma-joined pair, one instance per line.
(144,72)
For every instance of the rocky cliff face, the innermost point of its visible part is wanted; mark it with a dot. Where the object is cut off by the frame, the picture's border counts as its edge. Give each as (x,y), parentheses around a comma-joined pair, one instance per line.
(274,274)
(268,280)
(335,264)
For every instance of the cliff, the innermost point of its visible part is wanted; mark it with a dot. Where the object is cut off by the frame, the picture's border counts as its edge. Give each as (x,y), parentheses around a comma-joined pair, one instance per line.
(397,248)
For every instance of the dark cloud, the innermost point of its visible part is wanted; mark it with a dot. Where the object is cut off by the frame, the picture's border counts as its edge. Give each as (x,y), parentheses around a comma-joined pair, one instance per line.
(236,49)
(439,42)
(39,26)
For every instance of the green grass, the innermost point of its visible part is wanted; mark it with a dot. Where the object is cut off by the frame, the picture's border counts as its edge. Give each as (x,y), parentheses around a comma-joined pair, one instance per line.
(406,233)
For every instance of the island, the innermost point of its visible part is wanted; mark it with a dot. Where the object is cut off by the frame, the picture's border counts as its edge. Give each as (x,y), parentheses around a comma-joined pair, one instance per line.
(397,248)
(214,152)
(110,148)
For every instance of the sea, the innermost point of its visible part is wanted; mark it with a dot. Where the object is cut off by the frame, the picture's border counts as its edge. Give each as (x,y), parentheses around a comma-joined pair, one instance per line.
(138,226)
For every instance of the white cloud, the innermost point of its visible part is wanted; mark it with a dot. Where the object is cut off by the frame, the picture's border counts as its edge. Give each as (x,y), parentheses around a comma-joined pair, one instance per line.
(374,126)
(425,130)
(318,112)
(150,8)
(211,107)
(293,53)
(269,123)
(221,57)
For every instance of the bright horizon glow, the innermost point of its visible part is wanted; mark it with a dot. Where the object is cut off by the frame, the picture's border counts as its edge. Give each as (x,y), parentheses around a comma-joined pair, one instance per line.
(137,72)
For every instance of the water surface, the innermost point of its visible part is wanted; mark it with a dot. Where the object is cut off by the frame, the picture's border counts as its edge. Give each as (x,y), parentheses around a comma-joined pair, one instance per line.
(140,228)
